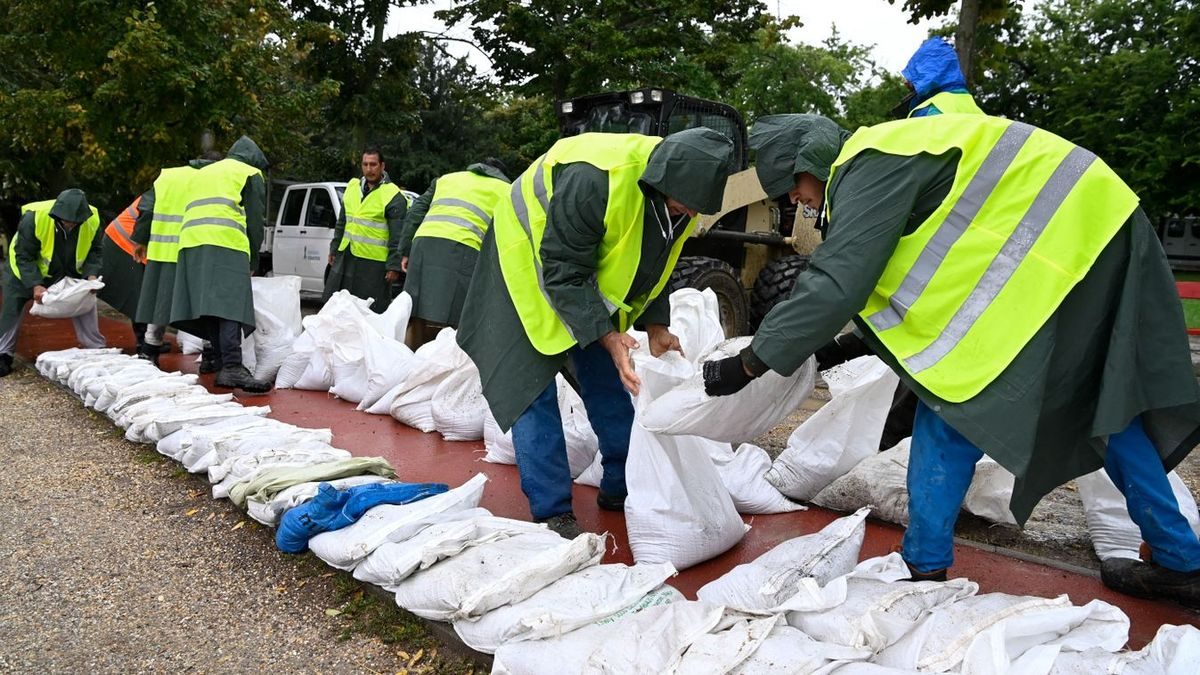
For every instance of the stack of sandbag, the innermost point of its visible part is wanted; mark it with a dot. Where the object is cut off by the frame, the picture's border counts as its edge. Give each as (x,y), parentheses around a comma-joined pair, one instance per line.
(582,443)
(310,365)
(277,322)
(68,298)
(1113,532)
(435,362)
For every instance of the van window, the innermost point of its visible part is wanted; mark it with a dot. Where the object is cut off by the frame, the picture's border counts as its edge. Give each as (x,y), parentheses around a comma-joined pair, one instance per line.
(320,209)
(293,206)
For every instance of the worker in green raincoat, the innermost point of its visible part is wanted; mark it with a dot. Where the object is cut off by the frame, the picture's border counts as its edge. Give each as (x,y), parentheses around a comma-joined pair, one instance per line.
(442,235)
(362,254)
(219,239)
(156,243)
(54,239)
(1011,280)
(580,252)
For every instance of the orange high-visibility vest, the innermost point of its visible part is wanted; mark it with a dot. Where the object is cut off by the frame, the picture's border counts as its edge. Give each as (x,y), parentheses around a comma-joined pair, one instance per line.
(121,228)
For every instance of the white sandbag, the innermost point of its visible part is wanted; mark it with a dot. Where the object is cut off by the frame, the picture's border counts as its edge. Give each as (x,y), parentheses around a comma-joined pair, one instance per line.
(383,405)
(139,419)
(590,476)
(347,547)
(148,390)
(645,641)
(1175,650)
(1113,532)
(279,295)
(393,322)
(188,343)
(435,361)
(494,574)
(67,298)
(47,363)
(172,422)
(414,406)
(349,380)
(113,391)
(582,444)
(879,480)
(268,513)
(880,606)
(733,640)
(752,412)
(458,407)
(696,321)
(225,448)
(788,650)
(574,601)
(394,562)
(744,474)
(990,492)
(105,389)
(845,431)
(104,358)
(1016,644)
(292,367)
(766,583)
(387,363)
(182,447)
(994,624)
(318,372)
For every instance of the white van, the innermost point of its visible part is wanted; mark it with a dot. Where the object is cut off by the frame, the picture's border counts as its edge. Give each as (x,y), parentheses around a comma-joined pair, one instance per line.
(298,242)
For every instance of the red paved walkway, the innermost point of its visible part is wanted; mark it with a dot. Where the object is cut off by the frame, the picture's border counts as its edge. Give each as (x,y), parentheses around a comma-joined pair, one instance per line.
(426,457)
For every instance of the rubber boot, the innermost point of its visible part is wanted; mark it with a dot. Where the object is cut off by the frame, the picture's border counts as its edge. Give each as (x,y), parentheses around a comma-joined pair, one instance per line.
(239,377)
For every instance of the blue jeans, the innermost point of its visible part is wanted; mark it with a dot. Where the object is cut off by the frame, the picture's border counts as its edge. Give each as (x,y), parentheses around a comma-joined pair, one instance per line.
(942,463)
(541,445)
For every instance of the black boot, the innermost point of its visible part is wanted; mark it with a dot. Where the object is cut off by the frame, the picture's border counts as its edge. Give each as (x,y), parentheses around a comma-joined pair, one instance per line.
(1148,580)
(564,525)
(209,363)
(149,352)
(5,364)
(239,377)
(610,502)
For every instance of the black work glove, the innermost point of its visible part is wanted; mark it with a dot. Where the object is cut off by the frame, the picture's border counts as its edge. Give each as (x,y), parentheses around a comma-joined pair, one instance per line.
(839,350)
(726,376)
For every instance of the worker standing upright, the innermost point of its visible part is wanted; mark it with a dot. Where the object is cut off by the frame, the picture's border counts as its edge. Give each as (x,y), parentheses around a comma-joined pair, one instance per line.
(362,253)
(122,270)
(440,244)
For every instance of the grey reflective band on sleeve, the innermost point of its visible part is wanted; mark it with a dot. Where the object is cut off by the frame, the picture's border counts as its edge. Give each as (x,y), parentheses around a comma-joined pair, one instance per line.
(455,220)
(217,201)
(450,202)
(166,218)
(981,186)
(212,220)
(1064,179)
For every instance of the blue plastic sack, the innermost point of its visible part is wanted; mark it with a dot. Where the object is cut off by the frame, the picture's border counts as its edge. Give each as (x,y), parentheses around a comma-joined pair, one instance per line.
(332,509)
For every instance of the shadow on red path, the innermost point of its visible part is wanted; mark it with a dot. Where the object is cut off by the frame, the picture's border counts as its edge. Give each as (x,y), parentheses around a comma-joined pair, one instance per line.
(426,457)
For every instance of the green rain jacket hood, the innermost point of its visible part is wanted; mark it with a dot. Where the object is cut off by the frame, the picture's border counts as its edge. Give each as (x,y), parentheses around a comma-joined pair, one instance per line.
(691,167)
(246,151)
(790,144)
(71,206)
(488,170)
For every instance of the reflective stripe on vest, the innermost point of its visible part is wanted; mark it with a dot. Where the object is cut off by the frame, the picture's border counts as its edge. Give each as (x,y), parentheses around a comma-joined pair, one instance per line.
(1026,217)
(213,215)
(171,198)
(43,229)
(521,221)
(951,103)
(121,227)
(366,232)
(461,208)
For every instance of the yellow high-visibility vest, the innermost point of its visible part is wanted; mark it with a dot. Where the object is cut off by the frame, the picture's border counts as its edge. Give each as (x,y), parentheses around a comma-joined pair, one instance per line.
(951,103)
(43,229)
(366,231)
(520,222)
(171,197)
(215,215)
(1025,219)
(462,207)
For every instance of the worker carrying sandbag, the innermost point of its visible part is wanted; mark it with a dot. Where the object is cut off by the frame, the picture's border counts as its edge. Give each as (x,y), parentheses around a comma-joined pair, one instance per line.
(55,239)
(1011,280)
(580,252)
(443,233)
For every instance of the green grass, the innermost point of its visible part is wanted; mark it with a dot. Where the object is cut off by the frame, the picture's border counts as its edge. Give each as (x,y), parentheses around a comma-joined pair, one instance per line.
(1191,313)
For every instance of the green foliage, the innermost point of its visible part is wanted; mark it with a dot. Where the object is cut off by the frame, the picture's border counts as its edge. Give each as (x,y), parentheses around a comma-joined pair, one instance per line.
(1121,79)
(524,128)
(873,104)
(103,94)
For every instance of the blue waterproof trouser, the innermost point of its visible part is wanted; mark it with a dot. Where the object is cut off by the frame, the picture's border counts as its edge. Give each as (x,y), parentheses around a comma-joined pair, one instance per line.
(541,445)
(942,463)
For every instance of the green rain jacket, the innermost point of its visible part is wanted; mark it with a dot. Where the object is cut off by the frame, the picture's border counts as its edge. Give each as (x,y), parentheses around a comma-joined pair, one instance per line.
(362,277)
(690,166)
(71,205)
(213,281)
(439,270)
(1115,348)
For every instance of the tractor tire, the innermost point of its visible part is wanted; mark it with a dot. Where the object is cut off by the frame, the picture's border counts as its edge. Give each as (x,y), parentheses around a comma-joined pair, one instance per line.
(774,284)
(701,272)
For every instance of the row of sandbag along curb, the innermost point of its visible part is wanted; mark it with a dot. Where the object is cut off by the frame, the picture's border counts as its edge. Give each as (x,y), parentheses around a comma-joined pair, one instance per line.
(543,604)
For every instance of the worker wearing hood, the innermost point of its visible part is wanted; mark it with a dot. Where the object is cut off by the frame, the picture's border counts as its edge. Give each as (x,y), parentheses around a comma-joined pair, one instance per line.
(440,244)
(54,239)
(936,82)
(525,314)
(1077,356)
(219,239)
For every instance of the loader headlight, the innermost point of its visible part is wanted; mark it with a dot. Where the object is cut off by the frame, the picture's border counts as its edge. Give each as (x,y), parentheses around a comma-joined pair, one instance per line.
(656,95)
(568,108)
(637,97)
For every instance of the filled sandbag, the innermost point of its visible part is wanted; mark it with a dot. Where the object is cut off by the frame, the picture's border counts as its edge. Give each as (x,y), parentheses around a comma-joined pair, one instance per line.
(744,474)
(269,512)
(788,650)
(696,321)
(68,298)
(729,644)
(1113,532)
(458,408)
(582,444)
(387,362)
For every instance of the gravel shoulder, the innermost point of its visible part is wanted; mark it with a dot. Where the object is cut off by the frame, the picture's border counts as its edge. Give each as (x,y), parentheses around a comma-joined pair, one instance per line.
(113,559)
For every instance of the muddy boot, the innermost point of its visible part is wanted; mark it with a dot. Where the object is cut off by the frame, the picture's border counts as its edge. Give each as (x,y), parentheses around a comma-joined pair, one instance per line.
(1147,580)
(5,364)
(610,502)
(564,525)
(149,352)
(239,377)
(210,362)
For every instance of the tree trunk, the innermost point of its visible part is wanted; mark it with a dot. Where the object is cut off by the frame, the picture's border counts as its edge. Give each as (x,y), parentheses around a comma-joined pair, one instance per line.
(964,38)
